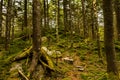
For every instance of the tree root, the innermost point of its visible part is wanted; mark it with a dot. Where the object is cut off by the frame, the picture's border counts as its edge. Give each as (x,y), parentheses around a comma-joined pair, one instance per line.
(34,62)
(41,56)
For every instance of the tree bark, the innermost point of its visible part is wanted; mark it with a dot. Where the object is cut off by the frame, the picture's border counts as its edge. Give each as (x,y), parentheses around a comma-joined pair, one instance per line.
(109,39)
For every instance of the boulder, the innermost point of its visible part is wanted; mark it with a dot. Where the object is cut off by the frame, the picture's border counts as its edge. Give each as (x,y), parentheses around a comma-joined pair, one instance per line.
(52,53)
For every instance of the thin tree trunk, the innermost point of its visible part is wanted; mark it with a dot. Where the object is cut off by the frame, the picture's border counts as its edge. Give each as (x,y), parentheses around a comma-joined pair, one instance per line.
(84,19)
(57,21)
(13,21)
(93,21)
(117,10)
(1,4)
(96,28)
(45,15)
(8,25)
(65,15)
(70,24)
(25,13)
(109,40)
(13,29)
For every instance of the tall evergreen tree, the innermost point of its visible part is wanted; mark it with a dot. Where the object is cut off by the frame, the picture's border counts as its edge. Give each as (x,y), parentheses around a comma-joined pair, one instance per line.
(36,34)
(109,40)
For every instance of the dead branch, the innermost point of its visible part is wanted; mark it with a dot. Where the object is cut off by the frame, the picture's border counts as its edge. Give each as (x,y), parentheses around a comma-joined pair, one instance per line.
(22,74)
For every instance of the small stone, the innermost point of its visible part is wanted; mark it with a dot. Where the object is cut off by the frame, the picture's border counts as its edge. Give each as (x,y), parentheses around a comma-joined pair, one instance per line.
(80,68)
(68,60)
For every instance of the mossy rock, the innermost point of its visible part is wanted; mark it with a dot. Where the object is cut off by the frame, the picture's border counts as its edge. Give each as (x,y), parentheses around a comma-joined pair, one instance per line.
(56,55)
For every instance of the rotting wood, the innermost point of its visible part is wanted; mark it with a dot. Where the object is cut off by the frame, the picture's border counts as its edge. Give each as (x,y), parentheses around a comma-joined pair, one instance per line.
(47,58)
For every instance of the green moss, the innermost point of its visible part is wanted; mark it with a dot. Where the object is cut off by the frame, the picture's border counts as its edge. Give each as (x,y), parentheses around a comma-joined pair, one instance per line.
(84,76)
(67,78)
(112,76)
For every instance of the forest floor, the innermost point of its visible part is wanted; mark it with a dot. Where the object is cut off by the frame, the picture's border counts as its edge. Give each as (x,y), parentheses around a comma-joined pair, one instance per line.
(86,64)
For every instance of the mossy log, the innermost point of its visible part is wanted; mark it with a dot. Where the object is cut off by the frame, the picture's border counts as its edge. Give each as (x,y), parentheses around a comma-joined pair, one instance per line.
(49,63)
(43,58)
(19,38)
(21,55)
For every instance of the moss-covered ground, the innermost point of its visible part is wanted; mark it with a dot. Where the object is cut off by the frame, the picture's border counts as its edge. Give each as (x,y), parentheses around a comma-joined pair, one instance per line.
(84,55)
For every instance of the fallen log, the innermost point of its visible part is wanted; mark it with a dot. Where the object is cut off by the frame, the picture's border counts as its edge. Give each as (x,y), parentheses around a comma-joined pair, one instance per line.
(19,38)
(24,54)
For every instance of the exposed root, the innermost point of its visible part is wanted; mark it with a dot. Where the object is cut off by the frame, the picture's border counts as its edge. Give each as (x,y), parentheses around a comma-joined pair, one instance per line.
(41,56)
(34,62)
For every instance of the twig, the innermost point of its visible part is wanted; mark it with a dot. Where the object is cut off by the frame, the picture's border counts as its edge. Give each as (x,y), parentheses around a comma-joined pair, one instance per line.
(22,74)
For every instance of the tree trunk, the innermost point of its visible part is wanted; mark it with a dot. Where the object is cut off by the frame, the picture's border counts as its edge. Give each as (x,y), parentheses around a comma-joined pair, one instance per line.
(45,15)
(117,10)
(96,28)
(57,20)
(8,24)
(65,15)
(1,4)
(13,21)
(84,19)
(109,41)
(70,24)
(36,34)
(25,13)
(13,29)
(93,19)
